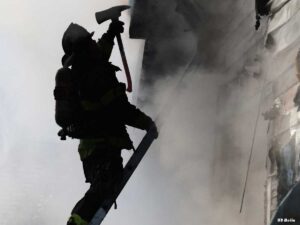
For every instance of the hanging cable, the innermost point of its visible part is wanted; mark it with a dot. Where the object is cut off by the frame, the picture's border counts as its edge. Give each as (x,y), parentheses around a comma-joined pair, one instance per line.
(252,145)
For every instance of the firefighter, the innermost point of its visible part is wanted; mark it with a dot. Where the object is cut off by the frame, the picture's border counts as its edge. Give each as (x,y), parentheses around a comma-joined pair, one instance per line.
(104,113)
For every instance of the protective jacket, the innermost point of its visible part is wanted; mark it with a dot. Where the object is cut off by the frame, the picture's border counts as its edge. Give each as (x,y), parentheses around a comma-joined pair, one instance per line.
(105,107)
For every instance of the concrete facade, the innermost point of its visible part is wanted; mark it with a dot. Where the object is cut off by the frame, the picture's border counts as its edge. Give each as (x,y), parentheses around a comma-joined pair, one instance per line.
(271,55)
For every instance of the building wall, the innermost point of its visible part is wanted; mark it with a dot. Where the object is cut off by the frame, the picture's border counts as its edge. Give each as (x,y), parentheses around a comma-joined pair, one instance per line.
(245,98)
(241,129)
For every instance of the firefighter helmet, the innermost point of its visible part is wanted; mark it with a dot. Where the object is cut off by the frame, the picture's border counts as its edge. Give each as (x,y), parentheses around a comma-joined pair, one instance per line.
(73,35)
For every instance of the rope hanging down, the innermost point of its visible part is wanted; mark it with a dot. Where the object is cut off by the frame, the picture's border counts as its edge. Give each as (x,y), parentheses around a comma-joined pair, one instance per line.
(252,145)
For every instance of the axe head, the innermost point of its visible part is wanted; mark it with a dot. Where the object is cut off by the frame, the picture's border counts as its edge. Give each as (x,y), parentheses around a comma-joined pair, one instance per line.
(112,13)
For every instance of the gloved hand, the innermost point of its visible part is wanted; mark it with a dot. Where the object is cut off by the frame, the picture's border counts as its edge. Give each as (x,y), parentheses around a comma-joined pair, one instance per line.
(153,130)
(116,27)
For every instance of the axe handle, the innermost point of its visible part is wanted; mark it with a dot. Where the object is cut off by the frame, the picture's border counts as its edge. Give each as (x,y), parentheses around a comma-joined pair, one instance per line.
(125,64)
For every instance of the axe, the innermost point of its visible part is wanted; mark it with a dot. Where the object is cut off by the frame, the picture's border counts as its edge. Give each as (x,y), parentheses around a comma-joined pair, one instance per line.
(113,14)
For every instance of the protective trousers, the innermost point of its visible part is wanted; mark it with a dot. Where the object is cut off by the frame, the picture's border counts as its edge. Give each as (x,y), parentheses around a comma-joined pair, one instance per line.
(103,170)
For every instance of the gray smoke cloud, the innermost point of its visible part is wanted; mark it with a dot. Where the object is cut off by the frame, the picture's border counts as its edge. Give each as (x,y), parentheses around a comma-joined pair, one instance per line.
(206,136)
(204,149)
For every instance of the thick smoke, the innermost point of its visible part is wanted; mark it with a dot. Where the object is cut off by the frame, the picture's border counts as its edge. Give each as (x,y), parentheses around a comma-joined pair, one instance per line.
(203,158)
(207,129)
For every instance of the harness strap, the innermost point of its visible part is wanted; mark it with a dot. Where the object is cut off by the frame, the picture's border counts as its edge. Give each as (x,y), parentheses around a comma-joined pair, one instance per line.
(88,146)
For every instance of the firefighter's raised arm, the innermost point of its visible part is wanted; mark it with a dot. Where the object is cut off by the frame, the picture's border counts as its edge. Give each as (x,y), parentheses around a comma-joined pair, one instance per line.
(106,42)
